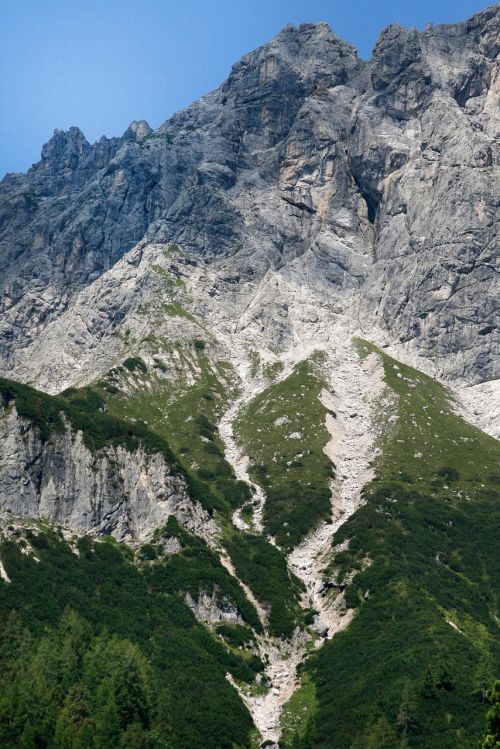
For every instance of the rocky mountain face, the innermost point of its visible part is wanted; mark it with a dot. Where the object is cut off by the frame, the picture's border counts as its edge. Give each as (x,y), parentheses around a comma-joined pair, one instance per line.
(119,492)
(259,337)
(373,183)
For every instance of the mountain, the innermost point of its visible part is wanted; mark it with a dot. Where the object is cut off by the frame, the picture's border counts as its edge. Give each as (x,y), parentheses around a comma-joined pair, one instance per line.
(249,400)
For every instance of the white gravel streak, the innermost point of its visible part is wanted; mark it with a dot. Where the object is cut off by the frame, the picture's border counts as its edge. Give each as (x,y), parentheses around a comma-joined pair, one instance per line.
(354,387)
(283,659)
(239,460)
(3,573)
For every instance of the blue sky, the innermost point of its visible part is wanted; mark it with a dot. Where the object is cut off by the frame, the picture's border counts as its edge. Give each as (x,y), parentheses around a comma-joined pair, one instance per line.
(100,64)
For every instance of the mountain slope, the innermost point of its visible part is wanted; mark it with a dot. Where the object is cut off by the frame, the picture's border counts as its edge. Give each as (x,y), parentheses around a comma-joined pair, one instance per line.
(424,641)
(217,477)
(306,162)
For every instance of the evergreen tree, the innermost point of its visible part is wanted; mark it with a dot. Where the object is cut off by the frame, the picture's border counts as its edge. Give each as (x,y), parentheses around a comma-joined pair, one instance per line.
(130,689)
(379,736)
(87,736)
(74,722)
(445,679)
(428,688)
(491,738)
(405,720)
(108,725)
(28,736)
(76,636)
(134,738)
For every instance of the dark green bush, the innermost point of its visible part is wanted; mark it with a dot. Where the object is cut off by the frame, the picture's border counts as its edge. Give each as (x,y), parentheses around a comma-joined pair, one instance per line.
(205,474)
(148,551)
(448,474)
(135,364)
(236,635)
(263,567)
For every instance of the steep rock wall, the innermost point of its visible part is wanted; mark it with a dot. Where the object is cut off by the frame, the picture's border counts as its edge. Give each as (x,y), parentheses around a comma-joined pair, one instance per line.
(112,491)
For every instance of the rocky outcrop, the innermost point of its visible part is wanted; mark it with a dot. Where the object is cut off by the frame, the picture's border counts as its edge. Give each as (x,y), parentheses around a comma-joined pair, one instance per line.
(369,186)
(212,609)
(430,132)
(111,491)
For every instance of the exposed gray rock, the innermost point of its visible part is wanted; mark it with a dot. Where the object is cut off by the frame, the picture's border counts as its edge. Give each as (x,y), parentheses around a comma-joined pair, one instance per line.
(211,609)
(281,421)
(111,491)
(320,627)
(372,186)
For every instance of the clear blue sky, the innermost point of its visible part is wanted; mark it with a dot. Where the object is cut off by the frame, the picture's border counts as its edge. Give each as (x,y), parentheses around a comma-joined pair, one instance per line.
(100,64)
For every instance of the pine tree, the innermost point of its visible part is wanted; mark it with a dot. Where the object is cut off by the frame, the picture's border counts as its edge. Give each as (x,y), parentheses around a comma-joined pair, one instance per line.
(381,735)
(87,736)
(405,720)
(445,679)
(74,721)
(428,688)
(134,738)
(491,738)
(108,726)
(28,737)
(75,635)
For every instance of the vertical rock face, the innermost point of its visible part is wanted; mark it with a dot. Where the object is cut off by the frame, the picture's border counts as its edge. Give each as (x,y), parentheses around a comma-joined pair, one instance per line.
(112,491)
(430,131)
(374,182)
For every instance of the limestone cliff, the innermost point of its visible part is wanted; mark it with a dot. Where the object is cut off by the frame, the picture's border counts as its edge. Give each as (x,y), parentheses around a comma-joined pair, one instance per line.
(372,185)
(109,491)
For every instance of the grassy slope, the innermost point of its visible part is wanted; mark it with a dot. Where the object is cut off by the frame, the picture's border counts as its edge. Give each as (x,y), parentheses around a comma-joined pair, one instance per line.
(424,641)
(298,711)
(186,415)
(294,472)
(183,413)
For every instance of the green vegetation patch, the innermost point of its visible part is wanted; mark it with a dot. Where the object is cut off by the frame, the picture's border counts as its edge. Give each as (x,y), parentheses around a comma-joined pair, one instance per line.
(298,712)
(236,635)
(175,309)
(272,370)
(263,568)
(92,654)
(135,364)
(283,431)
(194,569)
(412,667)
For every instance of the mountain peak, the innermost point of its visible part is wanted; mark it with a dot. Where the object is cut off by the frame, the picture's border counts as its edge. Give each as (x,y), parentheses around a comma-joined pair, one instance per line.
(294,62)
(307,34)
(65,142)
(138,130)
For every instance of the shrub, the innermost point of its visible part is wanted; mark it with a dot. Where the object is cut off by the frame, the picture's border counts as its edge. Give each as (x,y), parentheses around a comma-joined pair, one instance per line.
(135,364)
(448,474)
